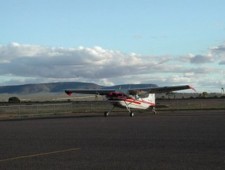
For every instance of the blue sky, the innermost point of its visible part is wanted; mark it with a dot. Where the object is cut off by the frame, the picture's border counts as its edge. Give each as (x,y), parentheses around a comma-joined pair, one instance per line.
(183,40)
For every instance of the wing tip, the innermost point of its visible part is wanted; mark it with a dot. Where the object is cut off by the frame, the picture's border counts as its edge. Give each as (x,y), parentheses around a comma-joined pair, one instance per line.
(192,88)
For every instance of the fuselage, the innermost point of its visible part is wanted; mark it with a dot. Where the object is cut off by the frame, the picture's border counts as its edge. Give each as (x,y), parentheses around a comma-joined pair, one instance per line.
(131,101)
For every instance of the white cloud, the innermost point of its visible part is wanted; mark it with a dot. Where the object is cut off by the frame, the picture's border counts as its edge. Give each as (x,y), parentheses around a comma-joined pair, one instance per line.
(16,50)
(96,62)
(25,63)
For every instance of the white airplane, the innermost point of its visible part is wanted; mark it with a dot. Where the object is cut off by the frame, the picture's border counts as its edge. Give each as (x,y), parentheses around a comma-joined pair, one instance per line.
(134,97)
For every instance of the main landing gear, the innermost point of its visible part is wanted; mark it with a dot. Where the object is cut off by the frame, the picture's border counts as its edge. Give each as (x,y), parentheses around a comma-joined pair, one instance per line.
(106,114)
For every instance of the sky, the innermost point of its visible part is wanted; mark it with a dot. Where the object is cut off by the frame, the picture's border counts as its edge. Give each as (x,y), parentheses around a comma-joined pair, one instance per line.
(108,42)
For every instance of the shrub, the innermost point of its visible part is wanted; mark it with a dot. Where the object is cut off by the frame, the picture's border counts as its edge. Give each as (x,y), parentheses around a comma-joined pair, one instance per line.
(14,100)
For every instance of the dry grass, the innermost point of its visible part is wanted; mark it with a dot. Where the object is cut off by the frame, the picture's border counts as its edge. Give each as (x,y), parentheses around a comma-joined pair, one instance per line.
(31,110)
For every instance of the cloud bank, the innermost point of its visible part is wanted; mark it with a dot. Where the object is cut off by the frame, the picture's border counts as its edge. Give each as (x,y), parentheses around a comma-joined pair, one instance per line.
(25,63)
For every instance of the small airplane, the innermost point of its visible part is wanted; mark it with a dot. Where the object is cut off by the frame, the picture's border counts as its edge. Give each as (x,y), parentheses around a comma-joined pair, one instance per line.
(133,96)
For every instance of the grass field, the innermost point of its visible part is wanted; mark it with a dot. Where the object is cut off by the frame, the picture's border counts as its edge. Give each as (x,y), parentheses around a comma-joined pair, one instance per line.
(51,109)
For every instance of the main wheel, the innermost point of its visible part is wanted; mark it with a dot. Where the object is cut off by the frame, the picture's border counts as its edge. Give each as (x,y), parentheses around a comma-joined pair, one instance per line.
(106,114)
(154,111)
(131,114)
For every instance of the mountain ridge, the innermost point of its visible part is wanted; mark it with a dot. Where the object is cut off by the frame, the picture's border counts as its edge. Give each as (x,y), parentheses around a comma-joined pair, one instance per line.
(57,87)
(46,87)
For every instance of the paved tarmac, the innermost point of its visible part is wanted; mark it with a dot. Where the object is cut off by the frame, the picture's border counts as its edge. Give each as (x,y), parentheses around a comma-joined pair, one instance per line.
(170,140)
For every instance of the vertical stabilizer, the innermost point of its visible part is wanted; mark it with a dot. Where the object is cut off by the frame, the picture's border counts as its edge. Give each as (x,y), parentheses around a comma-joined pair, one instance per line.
(151,98)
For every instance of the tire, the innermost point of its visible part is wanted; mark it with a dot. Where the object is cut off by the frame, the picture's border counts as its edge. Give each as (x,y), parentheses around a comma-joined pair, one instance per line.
(131,114)
(106,114)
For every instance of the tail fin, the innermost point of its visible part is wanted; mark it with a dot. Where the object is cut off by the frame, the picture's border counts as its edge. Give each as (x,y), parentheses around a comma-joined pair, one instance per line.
(151,98)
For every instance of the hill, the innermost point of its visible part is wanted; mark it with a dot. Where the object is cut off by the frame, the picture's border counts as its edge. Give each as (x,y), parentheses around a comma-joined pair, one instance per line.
(61,86)
(47,87)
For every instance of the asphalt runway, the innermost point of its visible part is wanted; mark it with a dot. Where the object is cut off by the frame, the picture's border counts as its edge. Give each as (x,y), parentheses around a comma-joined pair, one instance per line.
(170,140)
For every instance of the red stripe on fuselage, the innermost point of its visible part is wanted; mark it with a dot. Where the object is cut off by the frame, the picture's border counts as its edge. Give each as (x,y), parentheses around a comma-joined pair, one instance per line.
(139,102)
(117,96)
(132,101)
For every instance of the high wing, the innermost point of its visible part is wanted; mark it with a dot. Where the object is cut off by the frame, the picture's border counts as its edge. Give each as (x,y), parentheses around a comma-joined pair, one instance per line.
(90,91)
(165,89)
(129,91)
